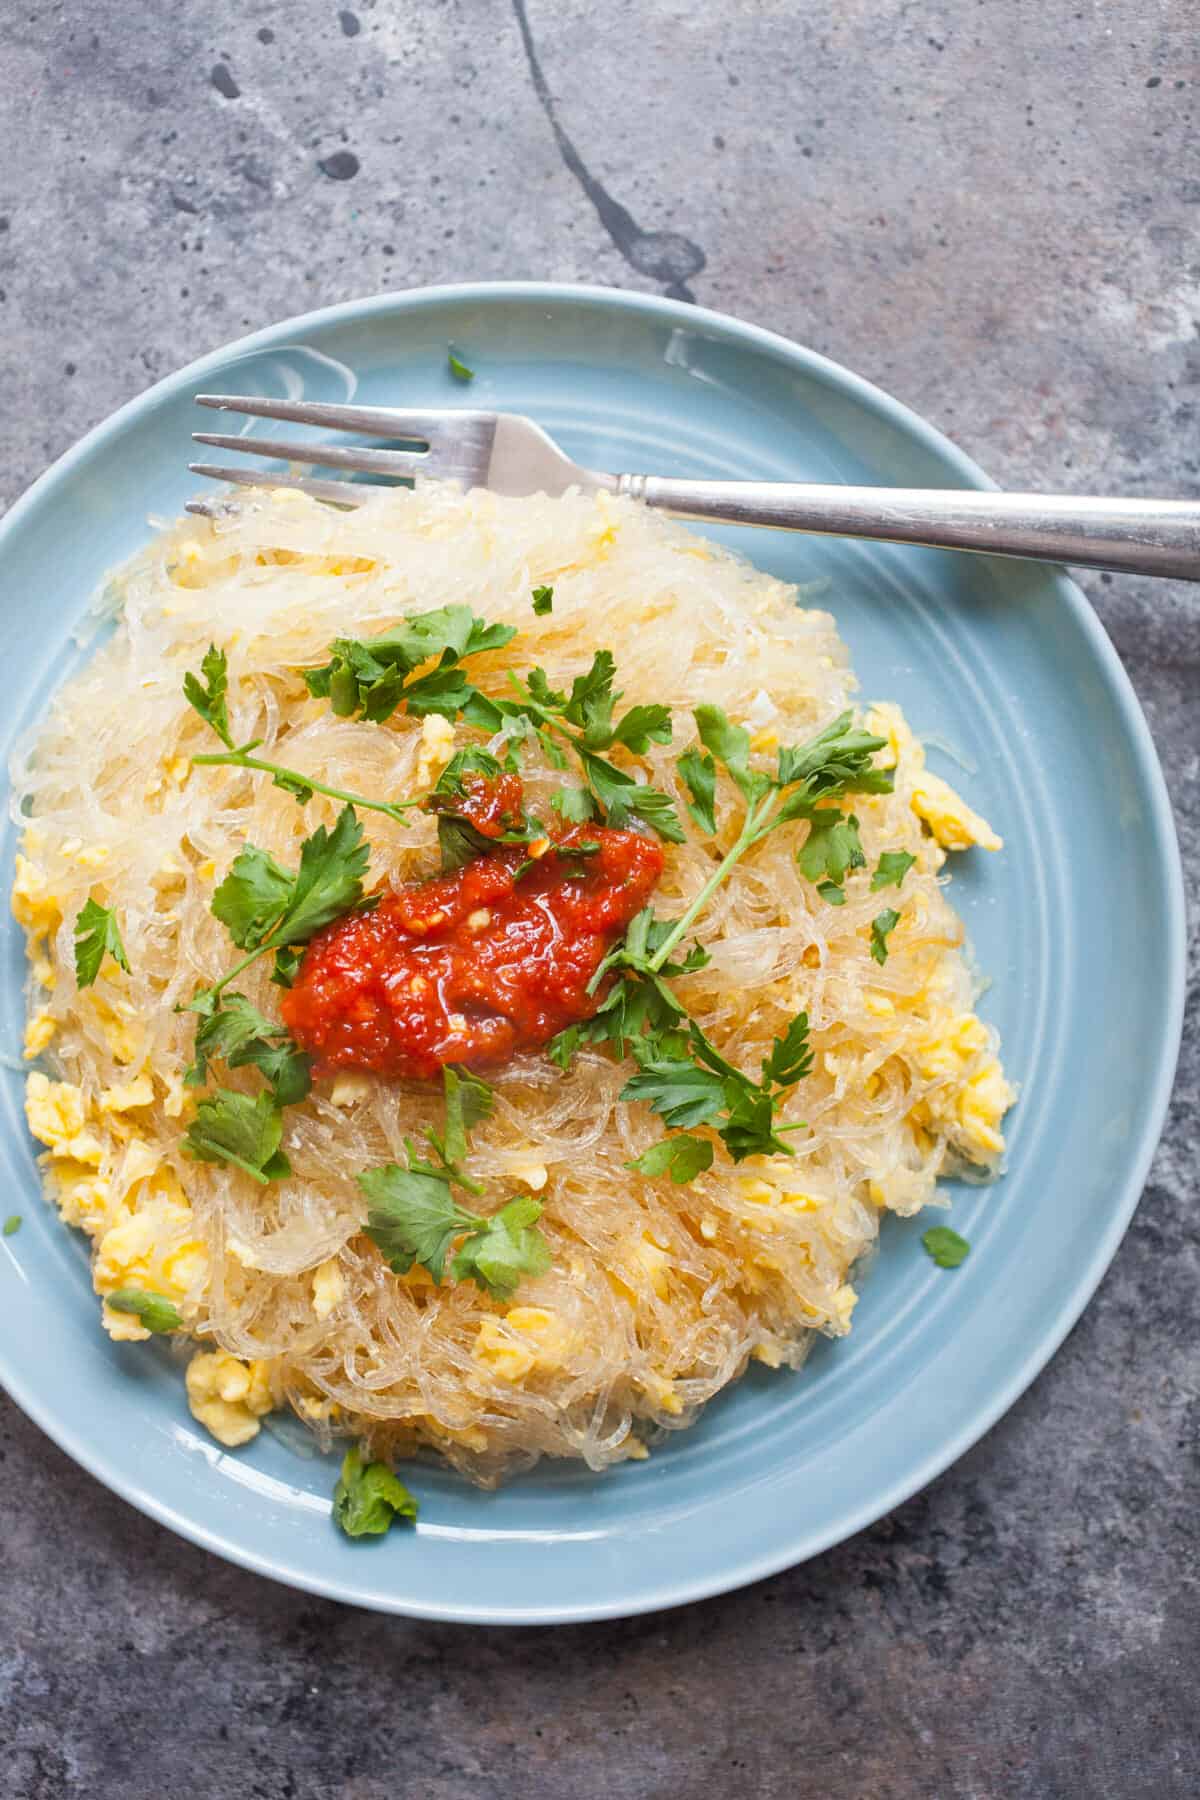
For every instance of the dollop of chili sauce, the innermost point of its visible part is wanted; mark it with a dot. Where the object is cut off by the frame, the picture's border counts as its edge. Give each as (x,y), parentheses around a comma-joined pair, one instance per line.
(473,966)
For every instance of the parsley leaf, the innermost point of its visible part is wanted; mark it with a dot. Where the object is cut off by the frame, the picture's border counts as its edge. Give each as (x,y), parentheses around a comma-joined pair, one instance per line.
(468,1100)
(237,1033)
(209,697)
(458,368)
(584,720)
(330,878)
(12,1225)
(700,776)
(369,675)
(642,726)
(575,804)
(837,759)
(882,926)
(730,744)
(459,842)
(947,1249)
(832,847)
(506,1247)
(235,1128)
(679,1091)
(543,600)
(791,1057)
(891,869)
(154,1311)
(681,1157)
(369,1498)
(451,782)
(96,933)
(252,898)
(413,1217)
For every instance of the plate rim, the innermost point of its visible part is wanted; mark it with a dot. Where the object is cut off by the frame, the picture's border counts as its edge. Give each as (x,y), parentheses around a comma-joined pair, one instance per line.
(1099,1252)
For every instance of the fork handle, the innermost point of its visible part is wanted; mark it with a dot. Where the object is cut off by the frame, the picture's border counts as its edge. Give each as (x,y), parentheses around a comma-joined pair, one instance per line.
(1131,537)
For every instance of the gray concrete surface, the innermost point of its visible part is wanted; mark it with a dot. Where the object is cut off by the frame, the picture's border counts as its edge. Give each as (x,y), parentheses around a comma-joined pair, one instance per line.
(992,210)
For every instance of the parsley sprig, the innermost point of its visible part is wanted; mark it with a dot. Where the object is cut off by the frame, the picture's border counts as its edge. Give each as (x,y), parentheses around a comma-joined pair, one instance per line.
(266,907)
(809,779)
(209,696)
(369,1497)
(585,722)
(413,1216)
(681,1076)
(371,677)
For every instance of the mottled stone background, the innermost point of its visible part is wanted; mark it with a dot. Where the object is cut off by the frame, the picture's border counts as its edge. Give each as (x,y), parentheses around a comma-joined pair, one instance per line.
(991,208)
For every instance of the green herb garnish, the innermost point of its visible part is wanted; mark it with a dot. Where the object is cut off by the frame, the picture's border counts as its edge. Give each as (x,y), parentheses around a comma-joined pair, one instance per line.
(154,1311)
(96,934)
(238,1034)
(543,600)
(369,1498)
(12,1224)
(414,1218)
(882,926)
(209,697)
(242,1130)
(891,869)
(681,1157)
(946,1248)
(266,907)
(371,677)
(458,368)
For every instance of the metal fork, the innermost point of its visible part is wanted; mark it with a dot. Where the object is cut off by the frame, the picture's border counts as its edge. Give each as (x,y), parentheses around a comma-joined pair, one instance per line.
(511,455)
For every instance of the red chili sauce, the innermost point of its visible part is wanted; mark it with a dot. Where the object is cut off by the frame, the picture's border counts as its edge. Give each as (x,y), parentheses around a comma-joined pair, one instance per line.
(473,966)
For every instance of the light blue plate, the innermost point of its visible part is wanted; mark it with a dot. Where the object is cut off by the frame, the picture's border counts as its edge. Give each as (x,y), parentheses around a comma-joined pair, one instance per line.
(1079,923)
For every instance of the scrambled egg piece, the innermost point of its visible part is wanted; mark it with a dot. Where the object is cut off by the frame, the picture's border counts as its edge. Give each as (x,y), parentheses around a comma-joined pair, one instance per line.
(39,1030)
(975,1095)
(127,1096)
(651,1259)
(58,1118)
(228,1397)
(902,1191)
(527,1338)
(152,1246)
(946,813)
(34,906)
(348,1090)
(83,1198)
(661,1390)
(437,747)
(762,1195)
(533,1174)
(328,1287)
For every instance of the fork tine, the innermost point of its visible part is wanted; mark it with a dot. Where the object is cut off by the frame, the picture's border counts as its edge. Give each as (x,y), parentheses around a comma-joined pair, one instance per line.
(316,451)
(373,421)
(342,493)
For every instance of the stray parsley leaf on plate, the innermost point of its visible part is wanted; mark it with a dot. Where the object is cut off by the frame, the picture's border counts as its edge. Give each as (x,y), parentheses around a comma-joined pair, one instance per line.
(458,368)
(12,1225)
(369,1497)
(543,600)
(947,1249)
(96,933)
